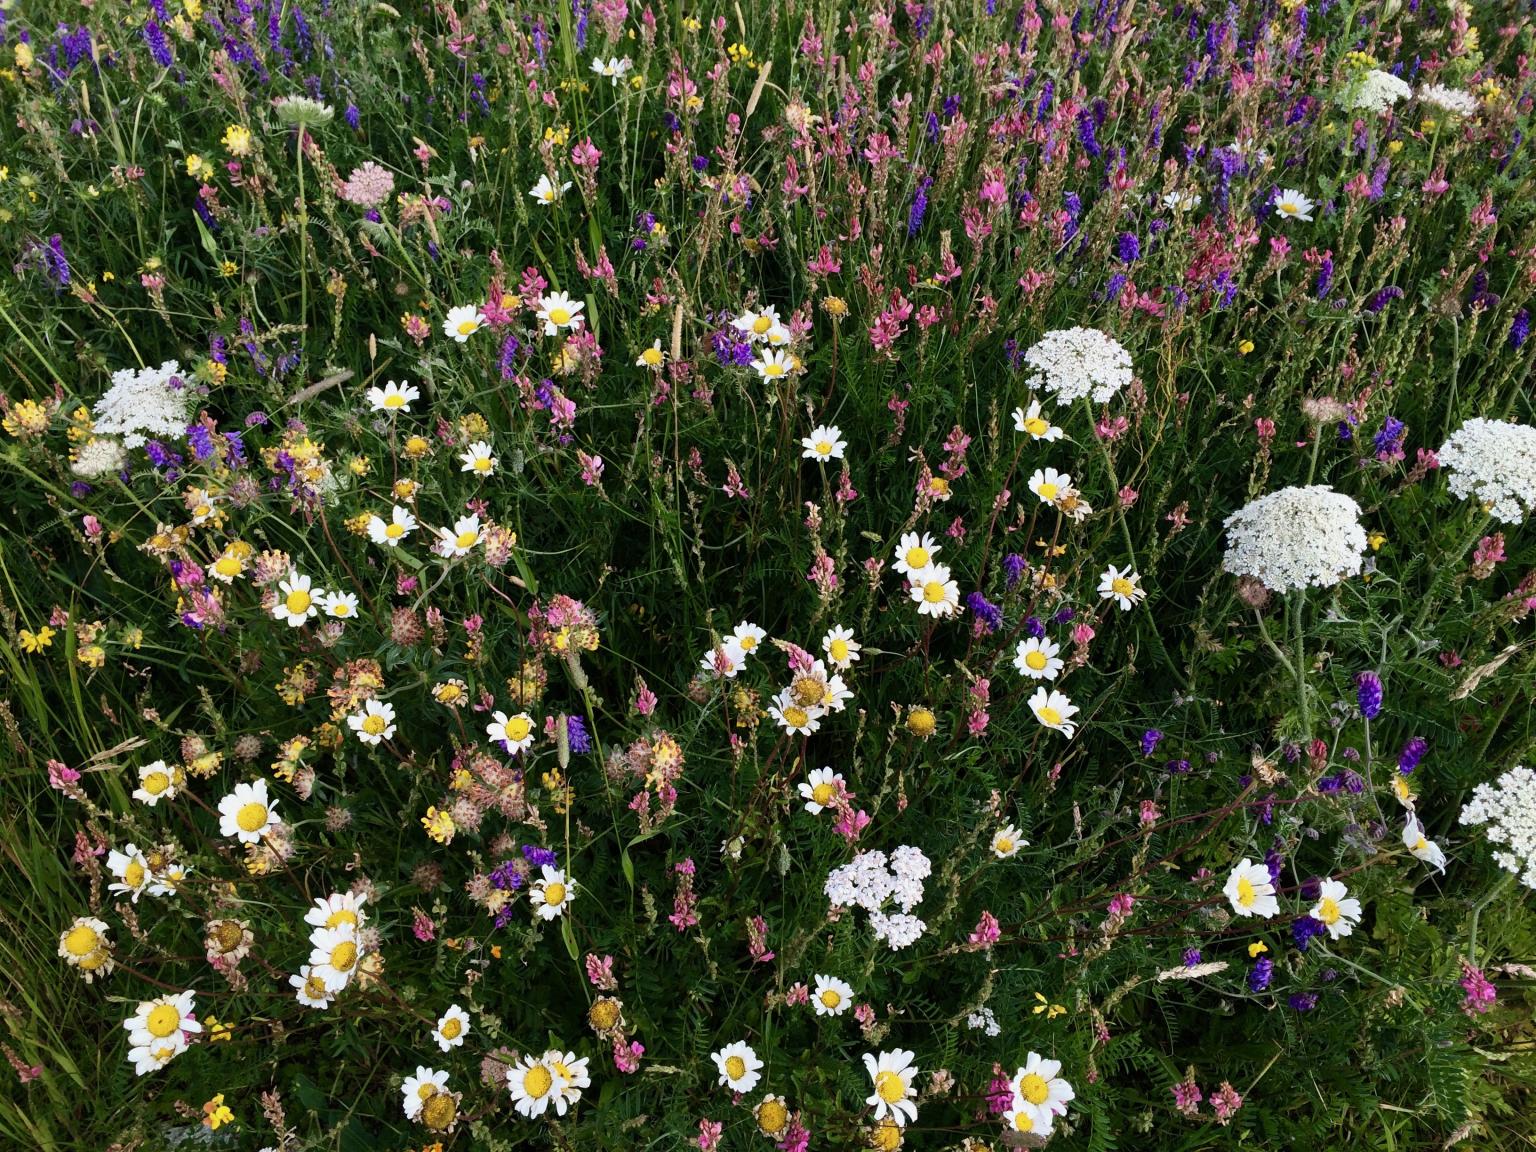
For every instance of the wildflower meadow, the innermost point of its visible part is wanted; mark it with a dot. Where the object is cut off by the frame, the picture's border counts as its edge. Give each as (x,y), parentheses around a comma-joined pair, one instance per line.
(639,574)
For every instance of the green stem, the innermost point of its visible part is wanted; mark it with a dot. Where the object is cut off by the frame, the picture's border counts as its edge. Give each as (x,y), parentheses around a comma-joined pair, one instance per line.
(303,238)
(1497,890)
(1446,570)
(1114,485)
(1273,647)
(1298,601)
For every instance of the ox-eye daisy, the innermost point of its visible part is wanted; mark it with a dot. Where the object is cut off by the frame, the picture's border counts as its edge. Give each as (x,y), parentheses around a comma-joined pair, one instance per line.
(824,443)
(479,459)
(1038,659)
(514,733)
(559,311)
(841,648)
(1292,205)
(934,592)
(157,782)
(892,1074)
(393,397)
(1006,842)
(1054,710)
(819,789)
(740,1069)
(1250,890)
(1048,484)
(460,539)
(552,893)
(462,322)
(1038,1087)
(1336,909)
(1122,586)
(375,723)
(547,192)
(390,532)
(914,553)
(831,996)
(247,812)
(451,1028)
(1035,424)
(296,599)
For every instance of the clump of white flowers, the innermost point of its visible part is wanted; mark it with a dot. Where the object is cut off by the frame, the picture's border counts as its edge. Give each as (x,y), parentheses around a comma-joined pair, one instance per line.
(1494,461)
(1507,809)
(871,879)
(1296,538)
(1072,363)
(1454,100)
(1377,91)
(98,457)
(150,402)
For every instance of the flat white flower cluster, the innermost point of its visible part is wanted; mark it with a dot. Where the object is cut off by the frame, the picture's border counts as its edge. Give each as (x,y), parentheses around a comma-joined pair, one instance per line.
(871,879)
(1295,538)
(1456,100)
(1507,809)
(98,457)
(1495,462)
(1377,91)
(143,404)
(1071,363)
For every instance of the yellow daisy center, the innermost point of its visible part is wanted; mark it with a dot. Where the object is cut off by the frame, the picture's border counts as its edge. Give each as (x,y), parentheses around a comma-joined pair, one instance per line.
(1048,714)
(482,463)
(933,592)
(1035,660)
(1245,893)
(1328,911)
(823,447)
(822,794)
(838,650)
(760,325)
(652,357)
(560,315)
(314,988)
(747,643)
(252,817)
(518,729)
(163,1019)
(809,691)
(1023,1121)
(439,1111)
(1036,426)
(554,894)
(466,327)
(1047,490)
(394,400)
(156,783)
(297,601)
(1034,1088)
(94,961)
(773,368)
(374,724)
(796,717)
(344,956)
(466,539)
(1121,586)
(886,1137)
(1004,844)
(921,722)
(451,1028)
(394,531)
(889,1087)
(917,557)
(226,566)
(228,936)
(831,998)
(537,1081)
(81,940)
(772,1116)
(735,1067)
(133,875)
(341,916)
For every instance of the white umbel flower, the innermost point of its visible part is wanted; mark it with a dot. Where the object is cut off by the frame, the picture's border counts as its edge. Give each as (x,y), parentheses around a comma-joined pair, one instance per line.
(145,403)
(1377,91)
(1506,809)
(1456,101)
(1296,538)
(1071,363)
(1493,461)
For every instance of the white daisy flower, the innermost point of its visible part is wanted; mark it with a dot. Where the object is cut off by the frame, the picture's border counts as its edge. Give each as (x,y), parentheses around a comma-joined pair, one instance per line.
(309,990)
(296,599)
(795,718)
(1048,484)
(934,593)
(1037,658)
(547,191)
(1336,909)
(1250,890)
(1422,848)
(773,364)
(613,68)
(831,996)
(158,1031)
(389,533)
(1038,1087)
(514,733)
(334,955)
(570,1077)
(1054,710)
(824,443)
(459,540)
(552,893)
(1122,586)
(341,605)
(532,1085)
(338,910)
(418,1089)
(1038,427)
(131,870)
(1292,205)
(819,788)
(452,1027)
(374,723)
(1026,1120)
(748,637)
(478,458)
(1006,842)
(740,1069)
(462,322)
(756,325)
(892,1074)
(652,357)
(915,553)
(723,661)
(394,397)
(247,812)
(157,782)
(559,311)
(841,648)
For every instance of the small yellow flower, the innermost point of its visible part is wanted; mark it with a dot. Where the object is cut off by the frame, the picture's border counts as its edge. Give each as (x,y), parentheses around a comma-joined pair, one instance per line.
(237,140)
(439,825)
(1245,347)
(1394,146)
(218,1030)
(1376,540)
(359,465)
(228,268)
(26,418)
(34,642)
(1051,1010)
(417,447)
(23,56)
(216,1113)
(91,655)
(1257,947)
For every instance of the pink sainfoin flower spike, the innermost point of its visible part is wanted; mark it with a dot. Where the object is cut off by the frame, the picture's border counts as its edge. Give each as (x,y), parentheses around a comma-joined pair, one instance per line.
(626,1057)
(986,933)
(1226,1102)
(1481,995)
(757,940)
(1187,1094)
(600,973)
(709,1135)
